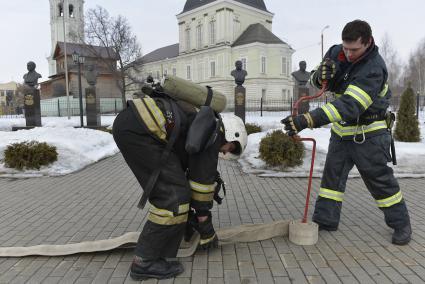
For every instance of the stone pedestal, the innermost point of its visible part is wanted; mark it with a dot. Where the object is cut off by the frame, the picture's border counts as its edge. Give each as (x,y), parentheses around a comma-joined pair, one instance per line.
(32,107)
(240,102)
(92,108)
(302,92)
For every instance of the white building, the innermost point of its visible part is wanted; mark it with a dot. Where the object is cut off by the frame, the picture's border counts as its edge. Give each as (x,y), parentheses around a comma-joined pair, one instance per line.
(68,14)
(213,34)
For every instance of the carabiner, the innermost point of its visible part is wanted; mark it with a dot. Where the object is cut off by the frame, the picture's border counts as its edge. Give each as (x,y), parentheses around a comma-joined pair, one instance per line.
(363,135)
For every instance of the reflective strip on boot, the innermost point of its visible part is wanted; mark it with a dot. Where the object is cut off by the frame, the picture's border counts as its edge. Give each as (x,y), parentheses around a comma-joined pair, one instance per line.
(202,192)
(165,217)
(207,240)
(331,194)
(390,201)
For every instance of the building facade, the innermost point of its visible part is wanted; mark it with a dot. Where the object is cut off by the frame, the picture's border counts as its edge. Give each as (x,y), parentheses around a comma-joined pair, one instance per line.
(98,57)
(213,34)
(66,24)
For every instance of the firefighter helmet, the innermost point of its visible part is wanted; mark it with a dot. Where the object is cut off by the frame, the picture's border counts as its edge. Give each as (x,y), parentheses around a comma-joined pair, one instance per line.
(234,131)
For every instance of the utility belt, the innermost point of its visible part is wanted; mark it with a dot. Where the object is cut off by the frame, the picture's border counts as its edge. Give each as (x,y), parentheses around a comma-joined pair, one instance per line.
(367,127)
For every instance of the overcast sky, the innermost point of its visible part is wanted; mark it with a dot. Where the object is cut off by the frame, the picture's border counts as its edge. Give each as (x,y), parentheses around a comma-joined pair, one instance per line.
(25,28)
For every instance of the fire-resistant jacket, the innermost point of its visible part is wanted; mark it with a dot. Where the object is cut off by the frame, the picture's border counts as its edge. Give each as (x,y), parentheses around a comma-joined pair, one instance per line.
(361,95)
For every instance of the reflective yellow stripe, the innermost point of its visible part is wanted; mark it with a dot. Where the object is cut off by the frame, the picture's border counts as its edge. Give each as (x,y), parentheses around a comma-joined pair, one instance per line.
(204,197)
(351,130)
(390,201)
(359,95)
(202,188)
(384,91)
(166,220)
(331,112)
(338,95)
(205,241)
(155,124)
(331,194)
(183,208)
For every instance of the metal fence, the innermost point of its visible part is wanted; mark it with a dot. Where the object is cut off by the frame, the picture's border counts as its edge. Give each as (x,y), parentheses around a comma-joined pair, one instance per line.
(270,107)
(59,107)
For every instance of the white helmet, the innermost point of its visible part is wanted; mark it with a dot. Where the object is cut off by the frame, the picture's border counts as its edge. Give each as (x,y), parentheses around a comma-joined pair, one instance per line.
(234,131)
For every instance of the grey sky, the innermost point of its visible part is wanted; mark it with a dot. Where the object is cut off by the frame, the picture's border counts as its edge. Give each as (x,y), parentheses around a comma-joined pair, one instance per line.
(25,29)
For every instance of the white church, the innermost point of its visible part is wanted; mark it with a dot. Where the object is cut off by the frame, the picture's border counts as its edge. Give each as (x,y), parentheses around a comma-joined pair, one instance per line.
(213,34)
(68,14)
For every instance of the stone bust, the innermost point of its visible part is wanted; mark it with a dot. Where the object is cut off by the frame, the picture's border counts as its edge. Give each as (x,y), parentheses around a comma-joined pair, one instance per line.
(31,78)
(91,75)
(301,76)
(239,74)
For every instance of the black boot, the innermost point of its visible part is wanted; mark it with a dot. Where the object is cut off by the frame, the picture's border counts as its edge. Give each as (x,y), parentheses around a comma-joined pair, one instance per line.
(158,268)
(402,236)
(207,232)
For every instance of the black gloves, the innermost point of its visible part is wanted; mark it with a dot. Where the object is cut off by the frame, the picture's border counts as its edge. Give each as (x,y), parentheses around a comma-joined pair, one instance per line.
(327,70)
(294,124)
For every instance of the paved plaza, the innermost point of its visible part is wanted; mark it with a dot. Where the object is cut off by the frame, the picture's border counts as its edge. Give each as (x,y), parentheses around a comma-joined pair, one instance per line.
(100,201)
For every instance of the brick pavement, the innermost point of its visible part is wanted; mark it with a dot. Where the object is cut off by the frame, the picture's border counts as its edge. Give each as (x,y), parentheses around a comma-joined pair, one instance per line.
(100,202)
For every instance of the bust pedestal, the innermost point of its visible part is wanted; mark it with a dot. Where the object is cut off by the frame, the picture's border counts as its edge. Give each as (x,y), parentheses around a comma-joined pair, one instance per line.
(240,102)
(32,107)
(92,107)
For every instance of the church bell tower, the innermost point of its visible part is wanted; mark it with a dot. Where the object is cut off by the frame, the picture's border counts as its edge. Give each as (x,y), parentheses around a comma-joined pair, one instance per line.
(68,14)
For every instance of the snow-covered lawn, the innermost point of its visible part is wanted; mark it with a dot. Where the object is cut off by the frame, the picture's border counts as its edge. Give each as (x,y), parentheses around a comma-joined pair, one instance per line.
(79,148)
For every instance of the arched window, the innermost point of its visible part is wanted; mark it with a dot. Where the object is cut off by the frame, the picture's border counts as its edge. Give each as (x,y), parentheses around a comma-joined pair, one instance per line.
(60,10)
(71,11)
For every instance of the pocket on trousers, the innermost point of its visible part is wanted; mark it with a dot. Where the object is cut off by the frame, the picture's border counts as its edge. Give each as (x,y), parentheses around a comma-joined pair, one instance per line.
(383,143)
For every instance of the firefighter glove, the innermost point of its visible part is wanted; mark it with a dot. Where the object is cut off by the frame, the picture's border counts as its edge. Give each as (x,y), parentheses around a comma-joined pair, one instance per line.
(296,123)
(327,70)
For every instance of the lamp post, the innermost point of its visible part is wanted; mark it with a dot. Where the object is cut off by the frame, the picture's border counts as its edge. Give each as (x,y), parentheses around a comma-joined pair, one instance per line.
(66,59)
(321,34)
(79,60)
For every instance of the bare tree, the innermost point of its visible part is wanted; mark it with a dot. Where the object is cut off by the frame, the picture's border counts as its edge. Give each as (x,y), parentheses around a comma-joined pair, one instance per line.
(116,36)
(415,69)
(394,65)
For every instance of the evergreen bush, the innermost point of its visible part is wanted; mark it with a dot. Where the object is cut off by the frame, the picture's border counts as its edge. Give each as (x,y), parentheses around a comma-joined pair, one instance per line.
(407,126)
(29,155)
(252,128)
(277,149)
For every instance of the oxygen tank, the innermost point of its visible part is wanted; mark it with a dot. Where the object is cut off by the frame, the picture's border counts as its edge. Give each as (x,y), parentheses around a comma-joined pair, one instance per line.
(192,93)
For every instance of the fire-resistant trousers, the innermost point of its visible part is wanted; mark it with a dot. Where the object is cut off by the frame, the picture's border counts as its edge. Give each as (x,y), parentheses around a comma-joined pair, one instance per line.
(169,198)
(371,160)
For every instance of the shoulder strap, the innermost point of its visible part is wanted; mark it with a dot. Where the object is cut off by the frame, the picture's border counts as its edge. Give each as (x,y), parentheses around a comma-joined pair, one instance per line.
(164,157)
(209,96)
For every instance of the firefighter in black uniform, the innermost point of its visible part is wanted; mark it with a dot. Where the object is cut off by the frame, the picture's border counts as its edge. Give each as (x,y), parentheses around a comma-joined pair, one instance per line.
(357,75)
(185,184)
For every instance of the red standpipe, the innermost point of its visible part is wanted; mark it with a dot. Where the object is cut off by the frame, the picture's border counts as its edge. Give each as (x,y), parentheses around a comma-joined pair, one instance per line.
(313,153)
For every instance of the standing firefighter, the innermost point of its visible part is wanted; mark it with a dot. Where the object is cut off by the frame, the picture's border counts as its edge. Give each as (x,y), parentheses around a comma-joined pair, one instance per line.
(152,136)
(360,136)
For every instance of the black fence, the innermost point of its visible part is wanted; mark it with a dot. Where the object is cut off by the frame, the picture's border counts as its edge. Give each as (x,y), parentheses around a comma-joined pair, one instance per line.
(269,107)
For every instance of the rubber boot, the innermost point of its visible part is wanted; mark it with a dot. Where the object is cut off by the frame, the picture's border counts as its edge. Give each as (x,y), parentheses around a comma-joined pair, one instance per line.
(402,236)
(157,268)
(207,233)
(191,222)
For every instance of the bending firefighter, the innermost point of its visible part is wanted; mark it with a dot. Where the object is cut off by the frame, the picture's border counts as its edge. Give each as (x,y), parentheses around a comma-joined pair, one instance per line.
(152,136)
(361,131)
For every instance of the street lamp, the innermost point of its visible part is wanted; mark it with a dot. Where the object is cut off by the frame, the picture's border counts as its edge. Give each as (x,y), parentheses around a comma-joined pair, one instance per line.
(66,59)
(79,60)
(326,27)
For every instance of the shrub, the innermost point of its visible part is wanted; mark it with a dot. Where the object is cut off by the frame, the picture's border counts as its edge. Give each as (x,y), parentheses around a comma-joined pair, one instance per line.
(29,155)
(407,126)
(252,128)
(278,149)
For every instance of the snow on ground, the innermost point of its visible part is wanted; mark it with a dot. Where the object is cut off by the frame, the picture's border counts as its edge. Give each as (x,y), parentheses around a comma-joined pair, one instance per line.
(79,148)
(410,156)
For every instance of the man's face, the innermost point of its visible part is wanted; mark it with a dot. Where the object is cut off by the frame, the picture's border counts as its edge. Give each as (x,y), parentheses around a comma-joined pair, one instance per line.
(354,49)
(228,147)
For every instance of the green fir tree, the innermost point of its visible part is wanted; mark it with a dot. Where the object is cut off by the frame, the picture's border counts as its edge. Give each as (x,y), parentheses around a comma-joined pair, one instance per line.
(407,126)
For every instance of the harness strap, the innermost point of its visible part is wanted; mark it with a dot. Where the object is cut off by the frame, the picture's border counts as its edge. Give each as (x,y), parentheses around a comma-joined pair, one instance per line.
(164,156)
